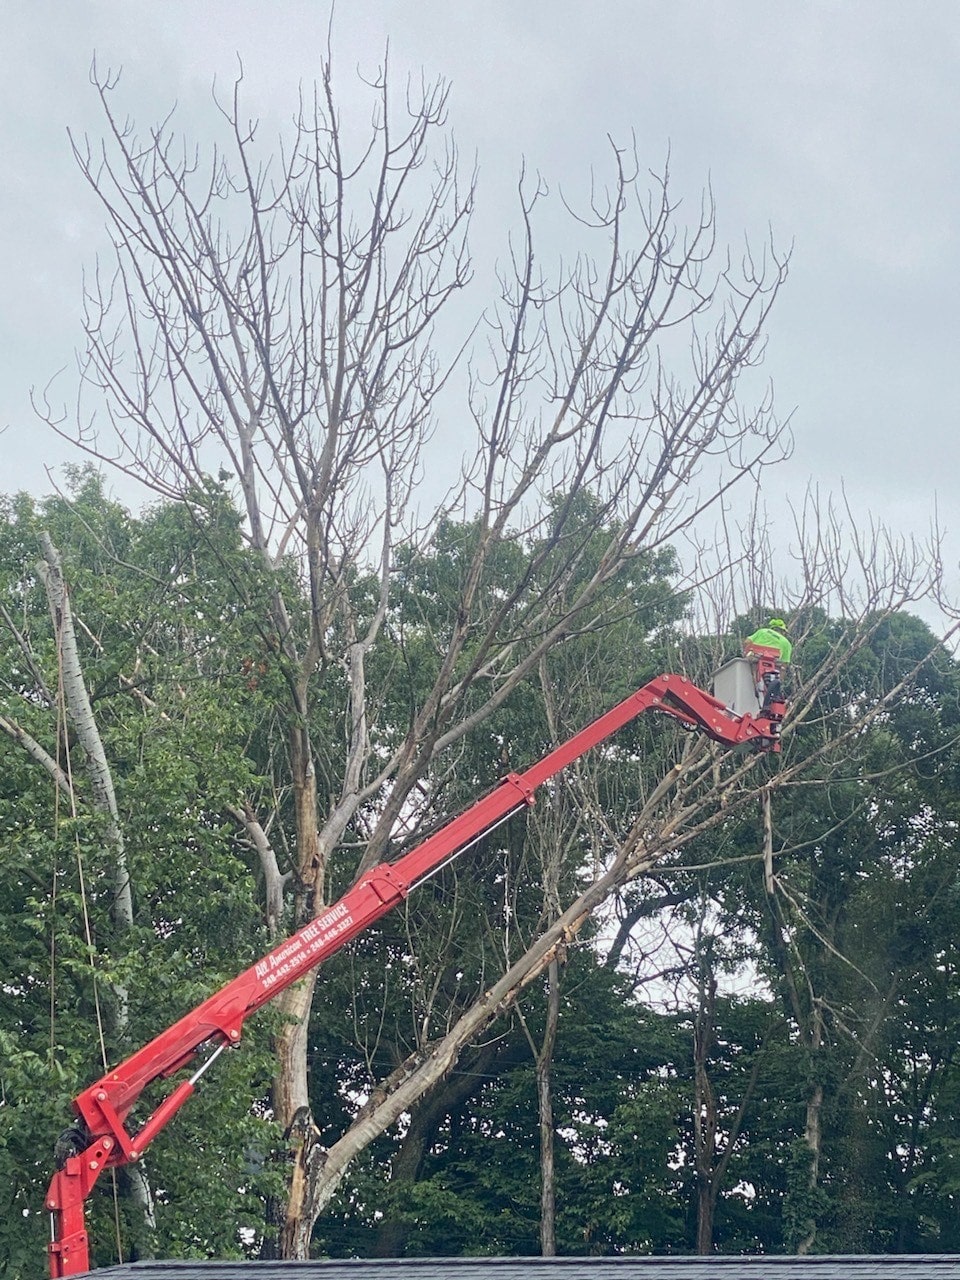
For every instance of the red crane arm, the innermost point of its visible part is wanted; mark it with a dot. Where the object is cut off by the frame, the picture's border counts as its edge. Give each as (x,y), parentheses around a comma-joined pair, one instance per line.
(105,1106)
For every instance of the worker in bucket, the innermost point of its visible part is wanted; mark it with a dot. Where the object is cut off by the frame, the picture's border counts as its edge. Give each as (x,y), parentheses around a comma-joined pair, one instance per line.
(772,636)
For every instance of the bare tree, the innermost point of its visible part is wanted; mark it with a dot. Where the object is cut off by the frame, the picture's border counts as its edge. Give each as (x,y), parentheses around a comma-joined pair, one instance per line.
(271,319)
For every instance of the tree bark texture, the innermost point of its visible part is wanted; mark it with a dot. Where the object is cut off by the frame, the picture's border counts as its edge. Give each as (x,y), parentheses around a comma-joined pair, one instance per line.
(80,711)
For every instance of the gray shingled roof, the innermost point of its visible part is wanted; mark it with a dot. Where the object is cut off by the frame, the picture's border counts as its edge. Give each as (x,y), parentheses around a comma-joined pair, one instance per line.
(886,1267)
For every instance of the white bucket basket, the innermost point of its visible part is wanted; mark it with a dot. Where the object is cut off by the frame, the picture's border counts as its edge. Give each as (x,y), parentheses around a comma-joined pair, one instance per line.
(735,684)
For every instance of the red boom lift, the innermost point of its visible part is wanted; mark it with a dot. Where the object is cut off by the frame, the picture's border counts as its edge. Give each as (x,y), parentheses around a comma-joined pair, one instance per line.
(102,1140)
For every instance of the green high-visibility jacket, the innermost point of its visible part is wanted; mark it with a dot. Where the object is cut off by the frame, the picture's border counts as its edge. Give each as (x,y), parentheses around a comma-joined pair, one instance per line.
(773,640)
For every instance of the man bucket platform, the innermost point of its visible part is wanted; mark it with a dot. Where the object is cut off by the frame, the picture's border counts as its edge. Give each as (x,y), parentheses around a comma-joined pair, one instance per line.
(771,649)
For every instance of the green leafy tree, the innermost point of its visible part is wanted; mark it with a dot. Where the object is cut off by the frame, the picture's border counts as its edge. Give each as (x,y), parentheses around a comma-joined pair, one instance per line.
(842,910)
(160,637)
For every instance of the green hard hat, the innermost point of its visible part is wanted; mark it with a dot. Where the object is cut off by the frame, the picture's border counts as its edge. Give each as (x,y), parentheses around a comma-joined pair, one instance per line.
(778,623)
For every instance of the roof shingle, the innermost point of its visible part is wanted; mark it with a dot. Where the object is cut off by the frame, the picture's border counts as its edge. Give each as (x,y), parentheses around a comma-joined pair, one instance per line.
(883,1267)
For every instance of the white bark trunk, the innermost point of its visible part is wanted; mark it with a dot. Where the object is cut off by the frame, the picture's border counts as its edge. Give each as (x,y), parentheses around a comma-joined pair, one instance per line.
(80,711)
(81,715)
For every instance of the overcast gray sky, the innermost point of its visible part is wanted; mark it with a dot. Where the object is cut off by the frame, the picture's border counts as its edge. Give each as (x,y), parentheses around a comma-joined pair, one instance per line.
(833,122)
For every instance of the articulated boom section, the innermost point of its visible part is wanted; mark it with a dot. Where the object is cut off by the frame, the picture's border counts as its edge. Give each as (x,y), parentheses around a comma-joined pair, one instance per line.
(101,1140)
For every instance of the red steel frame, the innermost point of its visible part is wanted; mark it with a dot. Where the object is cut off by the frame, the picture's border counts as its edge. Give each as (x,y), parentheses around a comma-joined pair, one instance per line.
(105,1106)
